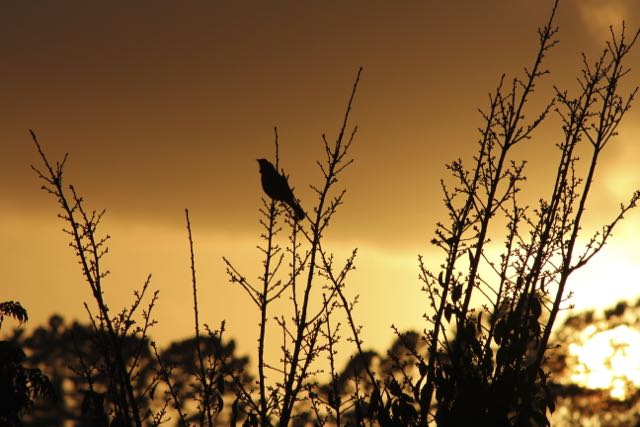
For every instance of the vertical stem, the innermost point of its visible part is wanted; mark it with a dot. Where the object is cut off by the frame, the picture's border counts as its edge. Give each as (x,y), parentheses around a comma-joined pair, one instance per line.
(264,420)
(203,376)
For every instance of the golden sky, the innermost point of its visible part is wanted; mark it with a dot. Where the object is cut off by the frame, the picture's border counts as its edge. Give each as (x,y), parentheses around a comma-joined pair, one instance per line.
(166,105)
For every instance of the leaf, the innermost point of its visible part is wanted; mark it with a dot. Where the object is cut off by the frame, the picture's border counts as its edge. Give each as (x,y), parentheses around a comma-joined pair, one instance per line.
(10,354)
(220,384)
(447,312)
(469,332)
(375,401)
(404,412)
(536,308)
(234,412)
(220,402)
(394,388)
(424,396)
(540,418)
(422,368)
(15,310)
(457,293)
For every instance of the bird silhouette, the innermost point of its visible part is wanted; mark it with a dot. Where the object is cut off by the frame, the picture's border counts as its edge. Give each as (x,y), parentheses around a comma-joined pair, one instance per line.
(277,187)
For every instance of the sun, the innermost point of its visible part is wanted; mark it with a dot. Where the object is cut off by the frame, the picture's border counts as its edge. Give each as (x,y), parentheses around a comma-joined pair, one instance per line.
(607,359)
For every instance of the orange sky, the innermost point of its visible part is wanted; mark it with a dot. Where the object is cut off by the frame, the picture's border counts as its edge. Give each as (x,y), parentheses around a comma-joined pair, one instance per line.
(166,105)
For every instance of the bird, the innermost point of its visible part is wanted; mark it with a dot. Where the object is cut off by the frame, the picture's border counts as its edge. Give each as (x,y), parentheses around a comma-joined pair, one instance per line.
(276,186)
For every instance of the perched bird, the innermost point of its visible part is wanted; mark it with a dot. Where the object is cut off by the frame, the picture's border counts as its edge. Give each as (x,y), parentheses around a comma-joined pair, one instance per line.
(277,187)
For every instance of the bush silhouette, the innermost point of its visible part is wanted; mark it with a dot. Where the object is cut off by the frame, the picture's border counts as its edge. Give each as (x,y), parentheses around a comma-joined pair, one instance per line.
(20,386)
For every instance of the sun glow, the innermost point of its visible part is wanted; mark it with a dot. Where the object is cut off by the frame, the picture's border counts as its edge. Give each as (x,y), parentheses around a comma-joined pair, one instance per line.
(607,359)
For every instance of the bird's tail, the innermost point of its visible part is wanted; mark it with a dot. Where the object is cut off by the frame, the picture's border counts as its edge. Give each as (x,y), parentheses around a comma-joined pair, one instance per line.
(297,209)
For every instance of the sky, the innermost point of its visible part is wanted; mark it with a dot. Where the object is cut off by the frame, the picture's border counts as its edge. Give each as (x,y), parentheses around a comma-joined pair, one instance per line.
(165,105)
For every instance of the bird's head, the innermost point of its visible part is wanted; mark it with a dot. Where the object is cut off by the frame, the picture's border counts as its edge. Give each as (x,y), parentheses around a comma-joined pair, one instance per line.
(264,165)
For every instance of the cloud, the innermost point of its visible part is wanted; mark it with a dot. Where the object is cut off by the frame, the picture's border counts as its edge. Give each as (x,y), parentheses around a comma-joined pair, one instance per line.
(599,15)
(620,173)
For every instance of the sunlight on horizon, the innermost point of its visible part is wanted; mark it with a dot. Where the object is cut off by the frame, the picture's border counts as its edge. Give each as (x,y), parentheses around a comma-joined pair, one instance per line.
(607,359)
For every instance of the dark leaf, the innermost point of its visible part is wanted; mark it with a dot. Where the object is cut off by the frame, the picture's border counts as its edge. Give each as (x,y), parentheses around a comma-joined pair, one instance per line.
(422,368)
(457,293)
(447,312)
(13,309)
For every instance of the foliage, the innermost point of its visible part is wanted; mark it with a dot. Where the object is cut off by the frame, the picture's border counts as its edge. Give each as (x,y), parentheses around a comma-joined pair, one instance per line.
(50,347)
(485,363)
(20,386)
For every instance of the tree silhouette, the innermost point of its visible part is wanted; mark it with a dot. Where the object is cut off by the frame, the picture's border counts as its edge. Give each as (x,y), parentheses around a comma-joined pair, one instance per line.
(20,385)
(182,356)
(63,352)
